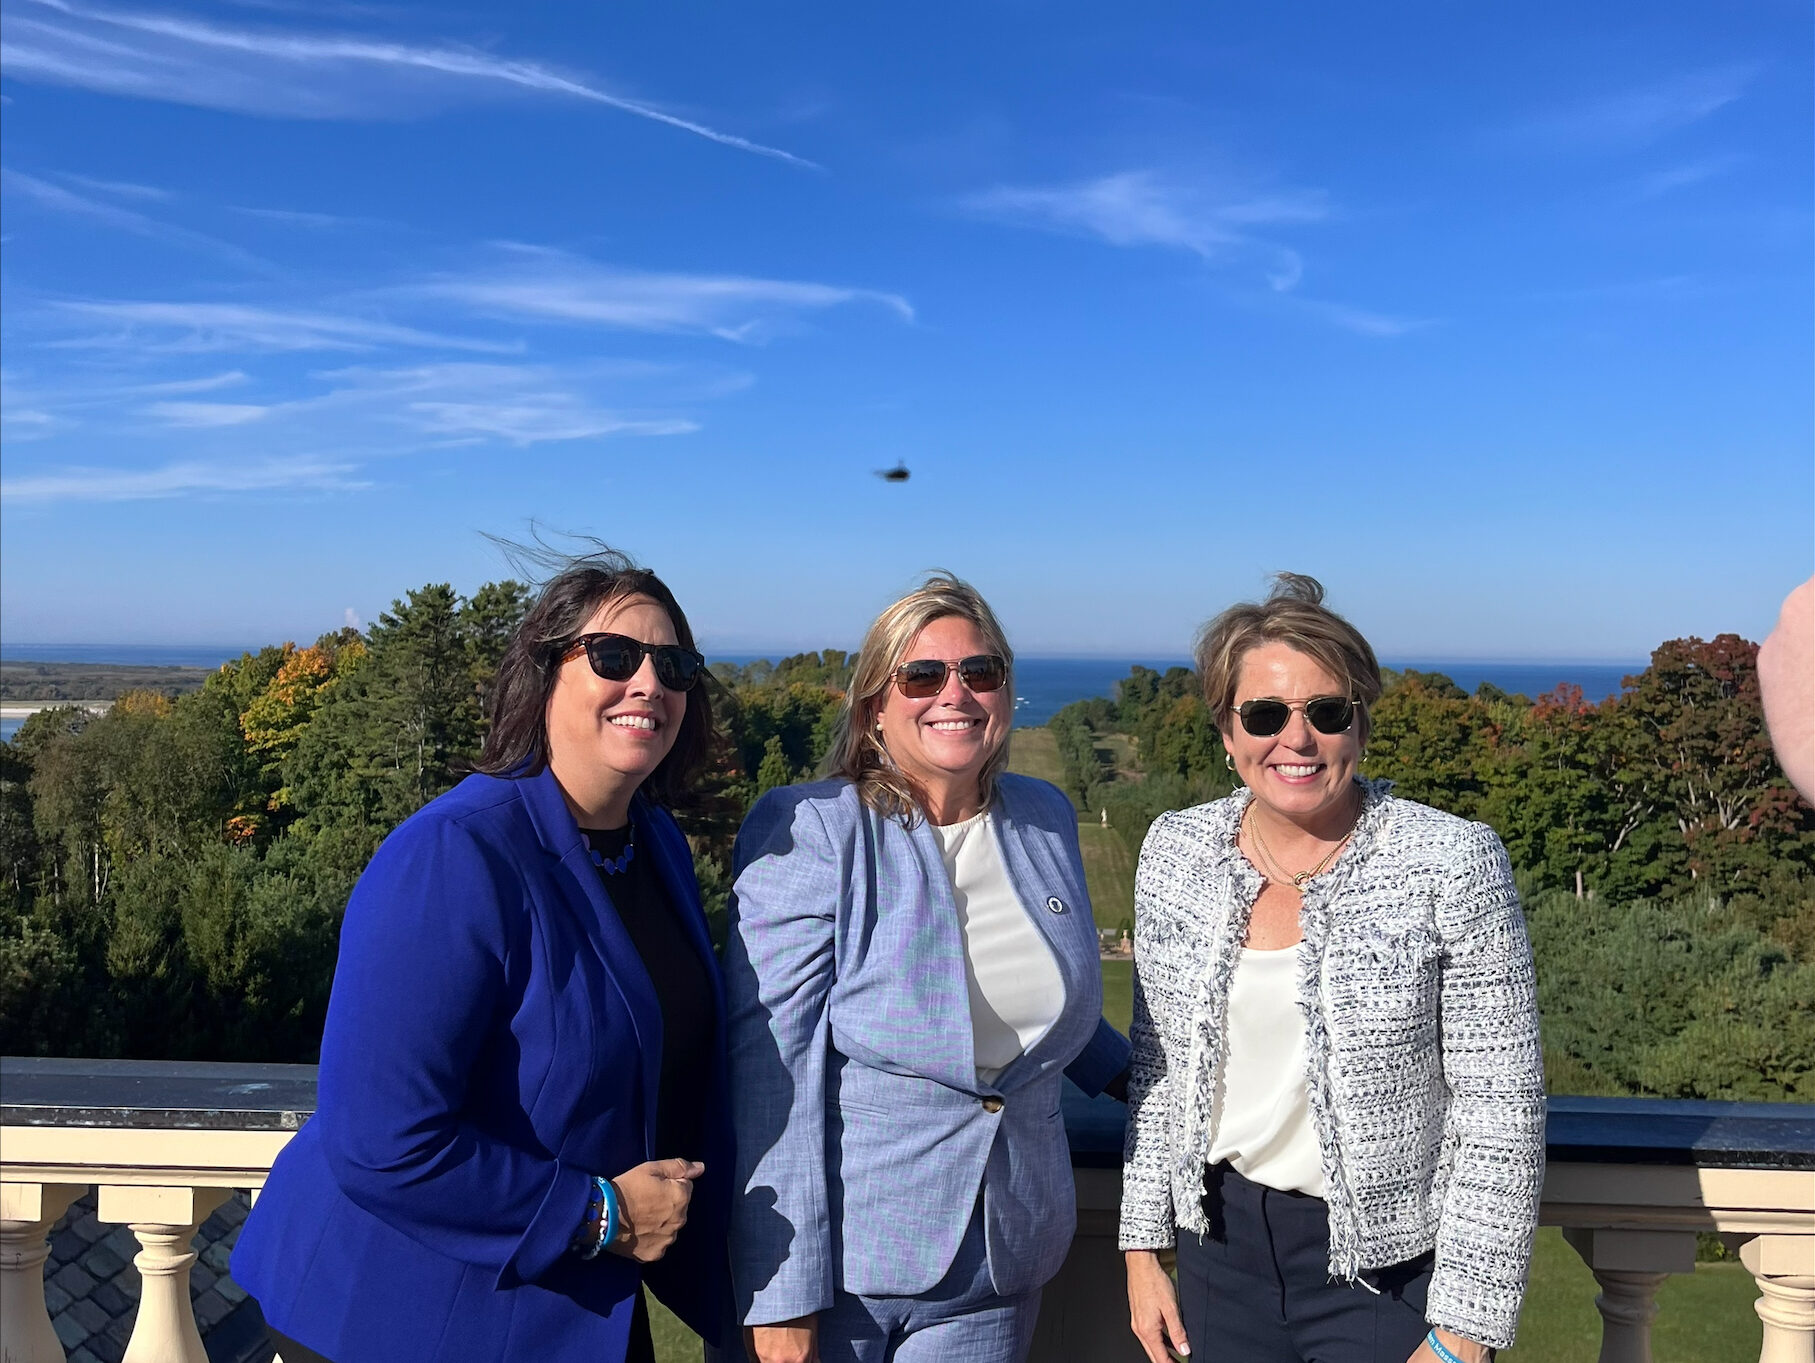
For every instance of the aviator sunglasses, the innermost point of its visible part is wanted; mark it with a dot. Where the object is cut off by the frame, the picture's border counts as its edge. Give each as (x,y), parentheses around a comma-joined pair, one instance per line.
(925,677)
(1326,714)
(616,657)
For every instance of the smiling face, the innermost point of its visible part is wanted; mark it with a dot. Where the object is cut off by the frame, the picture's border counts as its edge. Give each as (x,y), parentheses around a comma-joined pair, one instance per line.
(606,737)
(943,742)
(1297,773)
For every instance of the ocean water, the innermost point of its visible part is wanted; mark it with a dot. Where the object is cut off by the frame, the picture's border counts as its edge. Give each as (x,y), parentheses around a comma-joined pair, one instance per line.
(141,655)
(1043,686)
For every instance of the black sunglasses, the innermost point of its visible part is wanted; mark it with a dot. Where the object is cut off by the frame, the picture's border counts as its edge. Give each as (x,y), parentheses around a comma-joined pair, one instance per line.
(924,677)
(617,657)
(1326,714)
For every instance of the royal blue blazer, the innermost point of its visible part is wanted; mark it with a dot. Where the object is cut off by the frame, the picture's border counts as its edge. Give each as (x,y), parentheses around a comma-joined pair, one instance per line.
(865,1139)
(492,1042)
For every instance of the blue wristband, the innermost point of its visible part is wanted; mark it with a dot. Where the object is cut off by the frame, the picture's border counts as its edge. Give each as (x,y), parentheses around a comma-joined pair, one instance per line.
(601,1220)
(609,1234)
(1439,1348)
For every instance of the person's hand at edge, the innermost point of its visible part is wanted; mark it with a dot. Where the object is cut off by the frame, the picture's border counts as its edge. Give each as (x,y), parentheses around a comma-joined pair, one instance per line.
(1153,1312)
(1462,1347)
(1786,683)
(652,1207)
(788,1341)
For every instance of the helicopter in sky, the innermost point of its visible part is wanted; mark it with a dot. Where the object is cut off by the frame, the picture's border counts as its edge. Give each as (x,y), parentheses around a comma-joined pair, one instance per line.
(898,474)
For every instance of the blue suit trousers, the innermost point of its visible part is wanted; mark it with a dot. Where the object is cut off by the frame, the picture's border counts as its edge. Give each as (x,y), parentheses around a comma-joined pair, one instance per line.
(964,1317)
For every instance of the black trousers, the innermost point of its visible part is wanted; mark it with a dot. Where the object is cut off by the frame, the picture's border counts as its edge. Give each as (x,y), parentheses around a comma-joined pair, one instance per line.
(1258,1289)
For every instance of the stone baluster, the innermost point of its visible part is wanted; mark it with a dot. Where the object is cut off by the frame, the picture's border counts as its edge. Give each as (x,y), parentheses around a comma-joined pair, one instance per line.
(27,1212)
(165,1222)
(1630,1266)
(1628,1304)
(1784,1267)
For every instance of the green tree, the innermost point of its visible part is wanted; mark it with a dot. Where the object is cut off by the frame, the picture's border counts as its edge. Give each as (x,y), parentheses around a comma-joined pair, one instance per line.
(395,730)
(487,620)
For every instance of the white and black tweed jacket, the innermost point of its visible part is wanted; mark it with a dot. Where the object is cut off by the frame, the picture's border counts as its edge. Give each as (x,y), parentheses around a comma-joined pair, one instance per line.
(1425,1076)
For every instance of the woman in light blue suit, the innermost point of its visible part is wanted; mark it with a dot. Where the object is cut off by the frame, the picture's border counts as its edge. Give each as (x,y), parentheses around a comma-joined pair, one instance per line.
(912,968)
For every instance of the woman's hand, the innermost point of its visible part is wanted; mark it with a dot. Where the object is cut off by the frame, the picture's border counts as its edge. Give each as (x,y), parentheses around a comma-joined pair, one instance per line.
(1153,1307)
(791,1341)
(1465,1349)
(652,1207)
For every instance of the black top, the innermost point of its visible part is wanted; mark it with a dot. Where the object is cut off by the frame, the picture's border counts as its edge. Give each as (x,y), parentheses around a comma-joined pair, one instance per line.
(682,987)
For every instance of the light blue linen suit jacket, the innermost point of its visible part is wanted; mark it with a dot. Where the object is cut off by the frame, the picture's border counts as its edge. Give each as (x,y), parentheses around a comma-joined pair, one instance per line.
(863,1135)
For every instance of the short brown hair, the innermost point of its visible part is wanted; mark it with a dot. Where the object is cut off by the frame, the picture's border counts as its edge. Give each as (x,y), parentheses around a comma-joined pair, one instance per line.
(1294,615)
(857,752)
(517,742)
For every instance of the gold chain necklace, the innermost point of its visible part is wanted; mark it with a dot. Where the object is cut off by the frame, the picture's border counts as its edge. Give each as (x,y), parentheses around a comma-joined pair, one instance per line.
(1303,878)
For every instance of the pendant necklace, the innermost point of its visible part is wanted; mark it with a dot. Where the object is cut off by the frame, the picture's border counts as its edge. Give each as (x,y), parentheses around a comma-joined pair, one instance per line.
(1303,878)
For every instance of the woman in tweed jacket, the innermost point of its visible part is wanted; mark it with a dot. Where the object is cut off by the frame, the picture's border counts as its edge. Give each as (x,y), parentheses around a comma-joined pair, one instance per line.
(1336,1097)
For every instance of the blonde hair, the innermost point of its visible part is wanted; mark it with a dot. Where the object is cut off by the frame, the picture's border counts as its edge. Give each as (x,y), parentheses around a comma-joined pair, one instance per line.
(857,752)
(1294,615)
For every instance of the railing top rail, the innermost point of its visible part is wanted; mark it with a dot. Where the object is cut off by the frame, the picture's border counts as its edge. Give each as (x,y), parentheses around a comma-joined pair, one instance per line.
(1659,1131)
(181,1094)
(202,1095)
(1673,1131)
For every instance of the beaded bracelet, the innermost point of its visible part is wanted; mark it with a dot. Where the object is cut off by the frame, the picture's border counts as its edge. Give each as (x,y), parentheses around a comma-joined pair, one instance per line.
(1439,1348)
(600,1226)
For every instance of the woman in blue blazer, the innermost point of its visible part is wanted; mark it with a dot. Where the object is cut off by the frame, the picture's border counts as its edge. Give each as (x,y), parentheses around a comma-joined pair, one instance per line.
(912,968)
(522,1113)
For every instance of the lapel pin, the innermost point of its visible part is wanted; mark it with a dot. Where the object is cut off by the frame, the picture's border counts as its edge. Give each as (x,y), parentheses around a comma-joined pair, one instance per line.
(1055,905)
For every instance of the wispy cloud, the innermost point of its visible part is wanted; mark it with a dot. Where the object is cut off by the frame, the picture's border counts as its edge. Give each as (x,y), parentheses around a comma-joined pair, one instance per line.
(204,415)
(1228,224)
(523,404)
(124,189)
(1362,321)
(1215,221)
(553,286)
(1634,118)
(1144,208)
(294,217)
(182,479)
(199,327)
(58,199)
(1673,178)
(293,74)
(207,383)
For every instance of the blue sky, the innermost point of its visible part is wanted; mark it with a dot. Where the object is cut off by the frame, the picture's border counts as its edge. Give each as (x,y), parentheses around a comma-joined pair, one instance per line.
(1497,319)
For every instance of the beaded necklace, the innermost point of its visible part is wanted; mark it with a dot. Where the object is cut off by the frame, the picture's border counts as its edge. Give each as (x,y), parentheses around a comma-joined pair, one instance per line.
(613,866)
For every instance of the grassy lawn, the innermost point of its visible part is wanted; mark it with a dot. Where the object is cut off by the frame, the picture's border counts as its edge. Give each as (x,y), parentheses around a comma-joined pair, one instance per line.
(1701,1317)
(1108,867)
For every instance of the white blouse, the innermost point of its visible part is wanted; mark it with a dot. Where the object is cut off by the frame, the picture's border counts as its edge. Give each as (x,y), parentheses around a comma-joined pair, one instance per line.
(1262,1115)
(1015,989)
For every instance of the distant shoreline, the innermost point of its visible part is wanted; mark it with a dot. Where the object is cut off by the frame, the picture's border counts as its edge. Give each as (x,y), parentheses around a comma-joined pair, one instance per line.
(213,655)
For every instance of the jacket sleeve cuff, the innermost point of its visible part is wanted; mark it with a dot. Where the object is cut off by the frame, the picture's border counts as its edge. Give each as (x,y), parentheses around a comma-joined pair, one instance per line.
(552,1229)
(1102,1059)
(1469,1313)
(782,1302)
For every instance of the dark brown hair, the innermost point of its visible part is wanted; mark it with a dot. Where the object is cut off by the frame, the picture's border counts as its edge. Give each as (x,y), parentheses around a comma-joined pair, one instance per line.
(517,742)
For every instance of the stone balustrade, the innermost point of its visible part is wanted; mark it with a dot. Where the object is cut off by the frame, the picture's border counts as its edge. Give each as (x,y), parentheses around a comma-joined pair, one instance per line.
(1631,1182)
